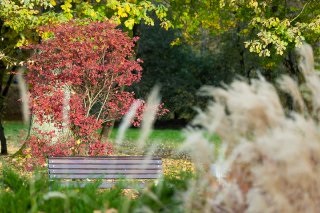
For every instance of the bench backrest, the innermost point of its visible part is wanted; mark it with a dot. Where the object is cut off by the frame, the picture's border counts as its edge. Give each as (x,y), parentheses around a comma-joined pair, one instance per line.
(109,167)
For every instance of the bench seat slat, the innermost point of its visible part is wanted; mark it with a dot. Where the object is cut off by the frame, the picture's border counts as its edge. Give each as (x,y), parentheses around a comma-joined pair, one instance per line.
(101,166)
(106,157)
(103,171)
(103,176)
(103,185)
(103,161)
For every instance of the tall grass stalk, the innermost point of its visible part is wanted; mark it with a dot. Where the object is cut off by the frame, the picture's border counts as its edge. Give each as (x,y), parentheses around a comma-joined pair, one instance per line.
(149,116)
(24,96)
(126,122)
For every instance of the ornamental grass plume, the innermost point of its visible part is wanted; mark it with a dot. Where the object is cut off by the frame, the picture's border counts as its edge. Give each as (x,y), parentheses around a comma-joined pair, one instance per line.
(272,157)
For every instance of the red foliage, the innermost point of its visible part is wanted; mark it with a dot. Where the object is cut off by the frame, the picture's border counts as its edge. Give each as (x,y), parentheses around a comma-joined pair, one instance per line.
(93,62)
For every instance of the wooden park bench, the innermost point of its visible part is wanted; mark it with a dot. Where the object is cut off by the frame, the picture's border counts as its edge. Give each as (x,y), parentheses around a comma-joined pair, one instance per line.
(109,169)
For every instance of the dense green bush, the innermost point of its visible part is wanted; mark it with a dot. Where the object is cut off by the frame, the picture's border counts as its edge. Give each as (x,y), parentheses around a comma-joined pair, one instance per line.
(180,70)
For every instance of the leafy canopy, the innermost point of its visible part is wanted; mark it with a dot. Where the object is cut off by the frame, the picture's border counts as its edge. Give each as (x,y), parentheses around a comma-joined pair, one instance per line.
(19,20)
(267,26)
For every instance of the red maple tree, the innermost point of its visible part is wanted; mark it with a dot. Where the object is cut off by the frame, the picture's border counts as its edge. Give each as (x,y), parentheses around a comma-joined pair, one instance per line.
(92,62)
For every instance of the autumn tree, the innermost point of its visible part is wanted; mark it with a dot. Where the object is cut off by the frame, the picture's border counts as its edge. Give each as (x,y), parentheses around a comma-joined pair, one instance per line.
(19,21)
(91,62)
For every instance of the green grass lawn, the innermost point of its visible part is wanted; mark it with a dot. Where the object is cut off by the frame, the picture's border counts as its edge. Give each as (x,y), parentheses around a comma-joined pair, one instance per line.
(166,140)
(14,127)
(169,136)
(15,133)
(163,141)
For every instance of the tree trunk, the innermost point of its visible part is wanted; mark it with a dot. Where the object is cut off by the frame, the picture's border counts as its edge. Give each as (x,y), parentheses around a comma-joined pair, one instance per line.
(3,94)
(239,45)
(106,131)
(136,32)
(291,65)
(3,140)
(4,149)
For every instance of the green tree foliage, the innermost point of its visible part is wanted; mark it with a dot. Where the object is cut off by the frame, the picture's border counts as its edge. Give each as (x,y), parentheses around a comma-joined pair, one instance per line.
(268,28)
(19,20)
(219,39)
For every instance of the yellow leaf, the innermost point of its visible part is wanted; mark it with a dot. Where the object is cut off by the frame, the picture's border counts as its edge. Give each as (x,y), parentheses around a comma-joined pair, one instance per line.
(92,14)
(66,7)
(127,8)
(21,42)
(121,12)
(129,23)
(53,2)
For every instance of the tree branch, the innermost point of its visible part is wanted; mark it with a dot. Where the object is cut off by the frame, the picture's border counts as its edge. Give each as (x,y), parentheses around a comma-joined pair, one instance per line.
(300,12)
(105,100)
(9,81)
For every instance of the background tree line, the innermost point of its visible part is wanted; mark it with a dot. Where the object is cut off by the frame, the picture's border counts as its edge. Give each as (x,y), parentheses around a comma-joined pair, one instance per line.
(215,41)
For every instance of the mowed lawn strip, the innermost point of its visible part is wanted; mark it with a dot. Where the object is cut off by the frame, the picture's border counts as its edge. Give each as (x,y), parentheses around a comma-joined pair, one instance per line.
(167,136)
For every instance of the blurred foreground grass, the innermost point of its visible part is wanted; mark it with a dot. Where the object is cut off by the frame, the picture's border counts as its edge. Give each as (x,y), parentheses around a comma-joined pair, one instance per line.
(21,193)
